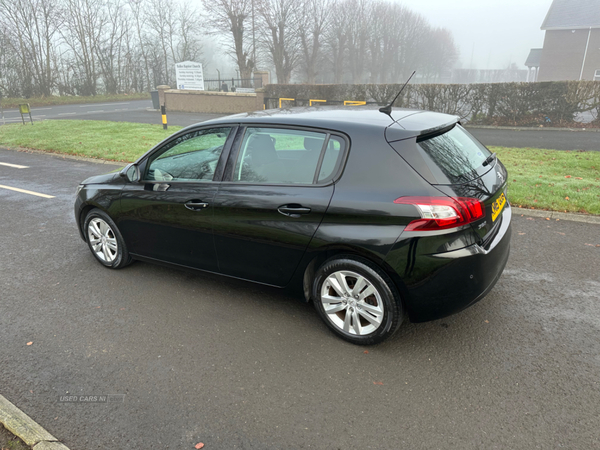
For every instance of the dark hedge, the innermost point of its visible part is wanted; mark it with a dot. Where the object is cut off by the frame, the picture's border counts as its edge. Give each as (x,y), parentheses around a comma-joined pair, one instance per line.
(557,103)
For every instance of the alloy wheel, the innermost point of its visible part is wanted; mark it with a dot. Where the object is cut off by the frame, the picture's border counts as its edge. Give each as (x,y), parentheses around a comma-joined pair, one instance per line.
(352,303)
(102,240)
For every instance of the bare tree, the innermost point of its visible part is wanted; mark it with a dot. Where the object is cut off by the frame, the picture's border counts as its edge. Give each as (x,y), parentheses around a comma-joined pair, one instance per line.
(84,25)
(162,24)
(139,16)
(110,49)
(280,20)
(313,20)
(32,25)
(336,37)
(357,37)
(441,53)
(230,18)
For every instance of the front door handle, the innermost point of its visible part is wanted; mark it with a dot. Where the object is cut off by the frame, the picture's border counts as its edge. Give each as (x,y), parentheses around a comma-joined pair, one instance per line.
(195,205)
(293,210)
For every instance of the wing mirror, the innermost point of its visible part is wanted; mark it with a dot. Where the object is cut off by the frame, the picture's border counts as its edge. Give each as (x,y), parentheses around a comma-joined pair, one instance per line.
(131,172)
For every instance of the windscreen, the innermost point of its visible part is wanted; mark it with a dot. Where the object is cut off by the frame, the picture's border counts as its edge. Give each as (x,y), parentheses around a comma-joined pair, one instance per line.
(455,156)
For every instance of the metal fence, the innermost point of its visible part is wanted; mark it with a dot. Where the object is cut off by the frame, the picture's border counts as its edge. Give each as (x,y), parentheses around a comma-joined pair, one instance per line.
(232,84)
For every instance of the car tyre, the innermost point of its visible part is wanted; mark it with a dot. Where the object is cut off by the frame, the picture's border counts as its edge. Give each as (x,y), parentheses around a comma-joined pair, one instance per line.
(357,300)
(105,240)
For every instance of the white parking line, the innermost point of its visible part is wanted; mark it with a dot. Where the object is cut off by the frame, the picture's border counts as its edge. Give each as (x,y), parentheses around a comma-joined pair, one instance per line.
(38,109)
(25,191)
(103,104)
(90,112)
(67,114)
(16,166)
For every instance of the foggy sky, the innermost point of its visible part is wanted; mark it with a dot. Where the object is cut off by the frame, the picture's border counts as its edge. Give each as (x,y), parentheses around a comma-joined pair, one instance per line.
(489,34)
(495,32)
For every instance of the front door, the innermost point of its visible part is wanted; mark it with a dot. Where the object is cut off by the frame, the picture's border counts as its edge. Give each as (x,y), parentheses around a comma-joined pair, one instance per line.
(168,214)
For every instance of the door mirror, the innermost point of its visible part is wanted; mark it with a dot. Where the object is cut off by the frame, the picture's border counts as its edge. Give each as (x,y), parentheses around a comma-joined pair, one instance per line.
(131,172)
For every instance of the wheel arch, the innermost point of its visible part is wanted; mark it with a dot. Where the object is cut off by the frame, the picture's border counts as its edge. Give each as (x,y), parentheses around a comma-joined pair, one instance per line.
(360,255)
(85,210)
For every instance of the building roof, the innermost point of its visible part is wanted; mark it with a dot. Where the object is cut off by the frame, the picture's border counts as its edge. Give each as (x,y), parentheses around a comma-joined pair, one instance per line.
(572,14)
(533,60)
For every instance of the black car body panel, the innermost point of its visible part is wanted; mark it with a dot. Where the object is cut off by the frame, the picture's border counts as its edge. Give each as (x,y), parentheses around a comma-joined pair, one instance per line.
(250,230)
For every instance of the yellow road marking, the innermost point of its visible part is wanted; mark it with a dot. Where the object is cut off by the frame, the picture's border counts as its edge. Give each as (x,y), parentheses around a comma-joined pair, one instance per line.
(24,191)
(16,166)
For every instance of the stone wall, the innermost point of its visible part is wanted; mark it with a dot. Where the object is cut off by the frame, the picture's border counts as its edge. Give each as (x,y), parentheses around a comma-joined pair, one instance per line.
(210,102)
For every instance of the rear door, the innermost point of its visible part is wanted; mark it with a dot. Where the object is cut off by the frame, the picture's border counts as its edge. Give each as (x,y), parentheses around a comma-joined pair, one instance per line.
(276,190)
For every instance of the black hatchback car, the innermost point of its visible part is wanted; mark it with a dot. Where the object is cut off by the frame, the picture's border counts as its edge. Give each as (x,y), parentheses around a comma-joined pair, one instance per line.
(374,216)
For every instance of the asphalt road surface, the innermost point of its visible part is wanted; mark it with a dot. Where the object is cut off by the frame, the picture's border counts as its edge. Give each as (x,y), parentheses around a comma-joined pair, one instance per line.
(533,138)
(141,111)
(190,357)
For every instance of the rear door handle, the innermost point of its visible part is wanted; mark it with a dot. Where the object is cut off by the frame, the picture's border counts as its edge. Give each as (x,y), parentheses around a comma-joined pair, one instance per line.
(293,210)
(195,205)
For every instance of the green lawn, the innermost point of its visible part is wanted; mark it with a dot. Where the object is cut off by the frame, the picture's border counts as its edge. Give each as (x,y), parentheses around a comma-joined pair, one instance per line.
(542,179)
(10,103)
(115,141)
(566,181)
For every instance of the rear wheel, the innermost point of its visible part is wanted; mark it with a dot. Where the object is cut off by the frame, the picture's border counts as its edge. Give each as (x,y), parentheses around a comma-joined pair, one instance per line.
(105,240)
(357,300)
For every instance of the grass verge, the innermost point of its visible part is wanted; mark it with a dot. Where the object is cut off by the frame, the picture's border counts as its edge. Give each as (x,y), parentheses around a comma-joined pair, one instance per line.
(10,103)
(567,181)
(9,441)
(114,141)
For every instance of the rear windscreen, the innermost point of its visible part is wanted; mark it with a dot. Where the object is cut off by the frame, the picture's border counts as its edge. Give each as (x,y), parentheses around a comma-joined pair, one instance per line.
(455,156)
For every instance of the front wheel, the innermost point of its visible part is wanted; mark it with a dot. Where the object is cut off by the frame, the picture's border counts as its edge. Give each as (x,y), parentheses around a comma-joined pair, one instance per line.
(357,300)
(105,240)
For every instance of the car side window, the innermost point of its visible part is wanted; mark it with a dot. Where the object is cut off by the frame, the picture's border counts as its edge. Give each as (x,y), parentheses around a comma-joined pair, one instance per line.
(190,157)
(278,156)
(332,159)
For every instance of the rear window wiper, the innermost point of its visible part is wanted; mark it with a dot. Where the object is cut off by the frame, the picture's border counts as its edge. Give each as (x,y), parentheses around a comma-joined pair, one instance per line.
(489,159)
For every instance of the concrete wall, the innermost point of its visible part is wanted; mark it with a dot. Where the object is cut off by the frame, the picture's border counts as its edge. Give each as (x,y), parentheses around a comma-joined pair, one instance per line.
(563,52)
(212,102)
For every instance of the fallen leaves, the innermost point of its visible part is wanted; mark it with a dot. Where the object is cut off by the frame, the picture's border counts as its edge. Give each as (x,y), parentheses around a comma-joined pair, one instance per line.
(378,383)
(30,343)
(366,352)
(199,445)
(486,321)
(567,176)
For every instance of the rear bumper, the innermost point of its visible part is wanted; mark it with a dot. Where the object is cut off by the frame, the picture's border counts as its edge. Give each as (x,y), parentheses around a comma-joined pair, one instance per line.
(458,278)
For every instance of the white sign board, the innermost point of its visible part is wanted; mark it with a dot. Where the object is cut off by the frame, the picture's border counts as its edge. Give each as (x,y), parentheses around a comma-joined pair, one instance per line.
(189,76)
(245,90)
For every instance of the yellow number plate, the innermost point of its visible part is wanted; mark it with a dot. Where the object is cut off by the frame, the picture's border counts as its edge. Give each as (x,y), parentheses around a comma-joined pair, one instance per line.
(497,206)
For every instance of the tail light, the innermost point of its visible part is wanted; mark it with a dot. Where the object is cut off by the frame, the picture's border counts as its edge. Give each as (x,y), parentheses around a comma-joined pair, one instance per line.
(440,213)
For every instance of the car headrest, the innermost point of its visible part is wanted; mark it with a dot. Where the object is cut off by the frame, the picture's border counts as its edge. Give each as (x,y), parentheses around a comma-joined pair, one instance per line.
(262,149)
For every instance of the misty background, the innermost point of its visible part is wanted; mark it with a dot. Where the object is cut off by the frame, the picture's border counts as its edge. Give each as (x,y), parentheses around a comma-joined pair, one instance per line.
(86,47)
